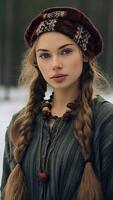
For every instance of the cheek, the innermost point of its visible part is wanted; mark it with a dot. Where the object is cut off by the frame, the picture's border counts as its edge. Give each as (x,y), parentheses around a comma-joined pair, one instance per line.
(76,64)
(44,71)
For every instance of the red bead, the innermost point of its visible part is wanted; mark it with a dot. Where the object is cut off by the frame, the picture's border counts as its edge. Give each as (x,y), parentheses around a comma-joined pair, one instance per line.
(42,176)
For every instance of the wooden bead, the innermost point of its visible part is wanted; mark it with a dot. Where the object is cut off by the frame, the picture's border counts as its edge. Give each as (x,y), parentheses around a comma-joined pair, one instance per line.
(68,110)
(46,109)
(42,176)
(47,104)
(67,115)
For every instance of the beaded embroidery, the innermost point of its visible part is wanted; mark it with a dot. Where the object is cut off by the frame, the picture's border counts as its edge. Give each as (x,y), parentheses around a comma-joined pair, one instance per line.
(81,37)
(50,20)
(46,26)
(55,14)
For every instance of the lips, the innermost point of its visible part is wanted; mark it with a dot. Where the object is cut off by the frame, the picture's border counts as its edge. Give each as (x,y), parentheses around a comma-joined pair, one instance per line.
(58,75)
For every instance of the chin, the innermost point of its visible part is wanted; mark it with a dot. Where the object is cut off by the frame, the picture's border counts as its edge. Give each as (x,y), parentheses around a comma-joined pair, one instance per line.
(62,86)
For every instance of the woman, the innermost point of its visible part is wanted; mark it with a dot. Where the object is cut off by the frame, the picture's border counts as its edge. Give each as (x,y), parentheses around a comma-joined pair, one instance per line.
(61,148)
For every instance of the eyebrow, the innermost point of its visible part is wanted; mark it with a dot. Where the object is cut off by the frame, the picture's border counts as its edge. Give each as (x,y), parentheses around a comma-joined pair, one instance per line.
(61,47)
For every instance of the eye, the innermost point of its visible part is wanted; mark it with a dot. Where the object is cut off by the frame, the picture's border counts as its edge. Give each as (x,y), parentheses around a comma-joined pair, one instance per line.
(44,55)
(66,51)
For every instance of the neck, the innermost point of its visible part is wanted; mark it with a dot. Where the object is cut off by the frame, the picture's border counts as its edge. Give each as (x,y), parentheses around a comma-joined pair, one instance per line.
(61,99)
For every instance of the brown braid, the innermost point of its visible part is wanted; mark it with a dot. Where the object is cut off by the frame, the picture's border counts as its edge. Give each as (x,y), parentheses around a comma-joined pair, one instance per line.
(21,135)
(90,188)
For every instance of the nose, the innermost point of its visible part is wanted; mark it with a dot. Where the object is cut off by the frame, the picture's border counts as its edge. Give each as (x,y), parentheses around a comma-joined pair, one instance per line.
(56,63)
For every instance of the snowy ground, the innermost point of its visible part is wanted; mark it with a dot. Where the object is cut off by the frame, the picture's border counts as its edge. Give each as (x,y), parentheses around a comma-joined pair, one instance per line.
(9,107)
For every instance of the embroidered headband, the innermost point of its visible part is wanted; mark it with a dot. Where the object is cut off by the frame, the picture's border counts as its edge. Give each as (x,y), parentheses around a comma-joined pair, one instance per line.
(69,21)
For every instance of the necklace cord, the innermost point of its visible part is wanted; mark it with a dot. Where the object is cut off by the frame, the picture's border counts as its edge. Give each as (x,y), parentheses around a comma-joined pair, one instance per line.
(46,115)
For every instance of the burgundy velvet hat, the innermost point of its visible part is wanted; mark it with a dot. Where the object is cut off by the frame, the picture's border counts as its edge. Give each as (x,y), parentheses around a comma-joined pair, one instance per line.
(69,21)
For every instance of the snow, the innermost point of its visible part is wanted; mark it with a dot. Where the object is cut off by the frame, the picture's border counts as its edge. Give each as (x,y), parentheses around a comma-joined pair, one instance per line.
(18,98)
(7,109)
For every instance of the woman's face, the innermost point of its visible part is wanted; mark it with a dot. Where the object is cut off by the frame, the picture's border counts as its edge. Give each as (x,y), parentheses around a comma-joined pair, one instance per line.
(59,59)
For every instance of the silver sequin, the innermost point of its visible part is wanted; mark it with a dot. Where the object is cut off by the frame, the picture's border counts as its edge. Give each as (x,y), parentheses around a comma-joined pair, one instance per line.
(82,37)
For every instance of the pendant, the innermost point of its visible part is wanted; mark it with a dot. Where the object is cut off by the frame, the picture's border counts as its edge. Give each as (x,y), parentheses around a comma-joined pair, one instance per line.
(42,176)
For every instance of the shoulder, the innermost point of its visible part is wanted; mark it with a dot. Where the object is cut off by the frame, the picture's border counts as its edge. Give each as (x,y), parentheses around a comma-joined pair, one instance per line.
(103,126)
(102,121)
(101,104)
(9,128)
(102,110)
(15,117)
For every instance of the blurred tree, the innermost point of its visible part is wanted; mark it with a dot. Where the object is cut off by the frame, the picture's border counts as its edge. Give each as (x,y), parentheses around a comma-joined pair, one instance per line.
(1,38)
(109,42)
(8,30)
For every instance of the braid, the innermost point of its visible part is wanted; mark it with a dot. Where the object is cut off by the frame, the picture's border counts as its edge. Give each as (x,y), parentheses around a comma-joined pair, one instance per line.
(26,121)
(89,188)
(21,134)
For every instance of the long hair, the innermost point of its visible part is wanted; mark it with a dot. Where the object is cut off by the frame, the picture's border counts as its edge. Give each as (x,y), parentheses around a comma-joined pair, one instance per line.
(90,188)
(21,135)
